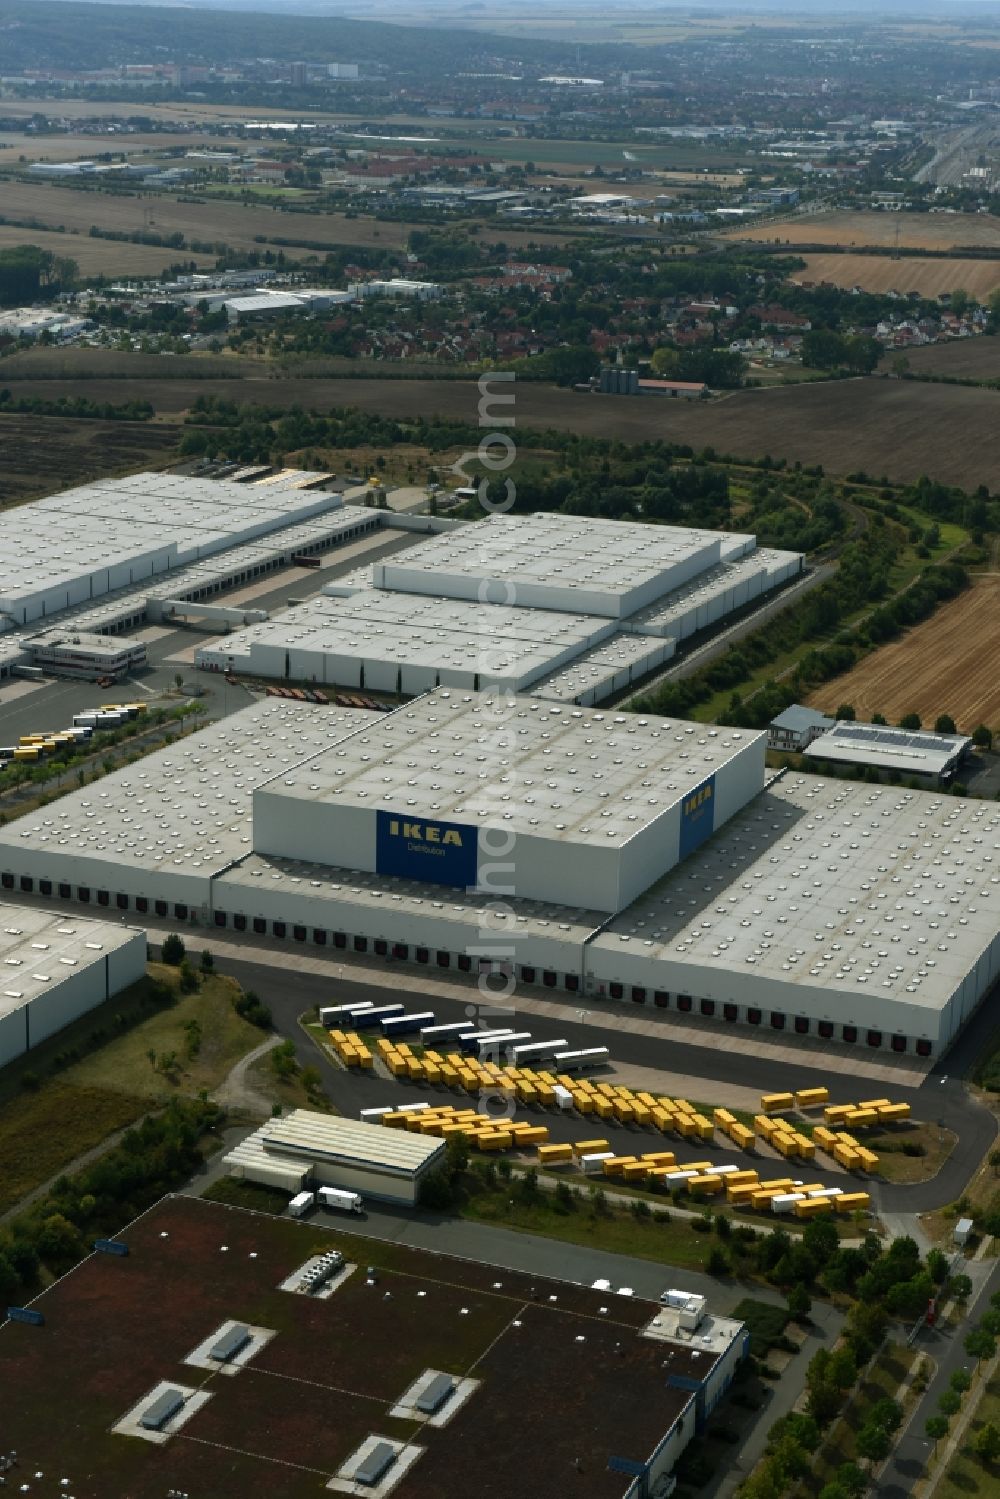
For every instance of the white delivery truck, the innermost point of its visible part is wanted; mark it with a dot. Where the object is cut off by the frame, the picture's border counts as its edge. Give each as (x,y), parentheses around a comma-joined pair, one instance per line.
(336,1197)
(300,1205)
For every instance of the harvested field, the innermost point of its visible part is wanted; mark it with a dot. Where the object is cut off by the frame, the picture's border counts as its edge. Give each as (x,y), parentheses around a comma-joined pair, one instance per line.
(216,219)
(911,273)
(964,358)
(917,231)
(97,257)
(41,454)
(85,147)
(75,209)
(896,427)
(945,665)
(78,363)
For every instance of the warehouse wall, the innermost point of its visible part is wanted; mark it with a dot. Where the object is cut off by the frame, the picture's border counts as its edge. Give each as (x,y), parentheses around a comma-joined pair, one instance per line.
(154,881)
(57,1007)
(854,1005)
(394,922)
(294,827)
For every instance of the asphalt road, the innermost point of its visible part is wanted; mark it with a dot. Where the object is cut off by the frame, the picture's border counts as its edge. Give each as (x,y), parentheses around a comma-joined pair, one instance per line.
(942,1096)
(946,1347)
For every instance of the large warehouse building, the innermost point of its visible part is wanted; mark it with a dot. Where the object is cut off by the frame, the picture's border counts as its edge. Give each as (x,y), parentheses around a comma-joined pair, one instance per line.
(632,859)
(109,556)
(568,610)
(55,969)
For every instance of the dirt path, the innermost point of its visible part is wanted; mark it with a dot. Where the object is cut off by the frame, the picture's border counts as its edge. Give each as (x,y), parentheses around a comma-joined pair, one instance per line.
(236,1091)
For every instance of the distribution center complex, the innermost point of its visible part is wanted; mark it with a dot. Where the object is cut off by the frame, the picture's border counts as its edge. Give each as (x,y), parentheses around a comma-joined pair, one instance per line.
(864,914)
(516,828)
(567,610)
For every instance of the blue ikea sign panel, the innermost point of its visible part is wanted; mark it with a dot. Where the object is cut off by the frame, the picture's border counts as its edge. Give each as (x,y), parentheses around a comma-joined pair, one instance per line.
(443,853)
(697,817)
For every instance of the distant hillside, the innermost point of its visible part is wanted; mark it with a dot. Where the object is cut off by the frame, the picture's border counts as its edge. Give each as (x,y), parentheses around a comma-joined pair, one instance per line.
(67,34)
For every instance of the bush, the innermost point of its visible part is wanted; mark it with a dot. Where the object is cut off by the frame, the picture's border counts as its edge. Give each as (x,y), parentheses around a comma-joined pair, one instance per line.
(718,1261)
(172,950)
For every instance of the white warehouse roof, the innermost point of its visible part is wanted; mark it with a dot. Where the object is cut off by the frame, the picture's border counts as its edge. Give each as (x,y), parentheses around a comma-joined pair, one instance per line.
(835,888)
(181,814)
(349,1142)
(39,950)
(598,804)
(609,568)
(406,642)
(70,548)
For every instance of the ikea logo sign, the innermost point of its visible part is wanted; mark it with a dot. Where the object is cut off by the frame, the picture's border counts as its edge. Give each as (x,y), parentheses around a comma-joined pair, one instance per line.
(701,796)
(426,832)
(441,853)
(697,817)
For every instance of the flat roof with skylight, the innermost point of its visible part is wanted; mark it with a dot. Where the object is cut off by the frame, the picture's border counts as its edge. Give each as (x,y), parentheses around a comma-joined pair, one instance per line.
(866,905)
(594,805)
(609,568)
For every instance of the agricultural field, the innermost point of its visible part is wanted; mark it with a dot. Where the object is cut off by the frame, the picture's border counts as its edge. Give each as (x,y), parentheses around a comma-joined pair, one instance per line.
(944,665)
(43,454)
(917,231)
(14,147)
(913,273)
(214,219)
(962,358)
(898,427)
(97,257)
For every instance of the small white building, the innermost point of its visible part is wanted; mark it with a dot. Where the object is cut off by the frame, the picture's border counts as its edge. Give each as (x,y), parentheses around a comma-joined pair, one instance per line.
(324,1150)
(796,728)
(81,653)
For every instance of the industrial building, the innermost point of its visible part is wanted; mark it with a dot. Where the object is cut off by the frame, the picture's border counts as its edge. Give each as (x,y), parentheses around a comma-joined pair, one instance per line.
(105,558)
(934,758)
(567,610)
(632,859)
(796,728)
(305,1149)
(82,653)
(435,1358)
(55,969)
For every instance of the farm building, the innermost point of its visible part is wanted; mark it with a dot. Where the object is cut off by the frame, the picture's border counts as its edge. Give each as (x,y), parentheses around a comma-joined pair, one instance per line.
(909,752)
(322,1150)
(56,968)
(434,1356)
(642,860)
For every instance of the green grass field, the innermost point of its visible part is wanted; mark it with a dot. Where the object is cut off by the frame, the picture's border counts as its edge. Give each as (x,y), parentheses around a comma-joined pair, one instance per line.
(54,1107)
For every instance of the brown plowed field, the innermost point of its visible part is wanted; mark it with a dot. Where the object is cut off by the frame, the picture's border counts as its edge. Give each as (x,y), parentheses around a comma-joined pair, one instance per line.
(41,454)
(948,664)
(879,273)
(965,358)
(900,428)
(917,231)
